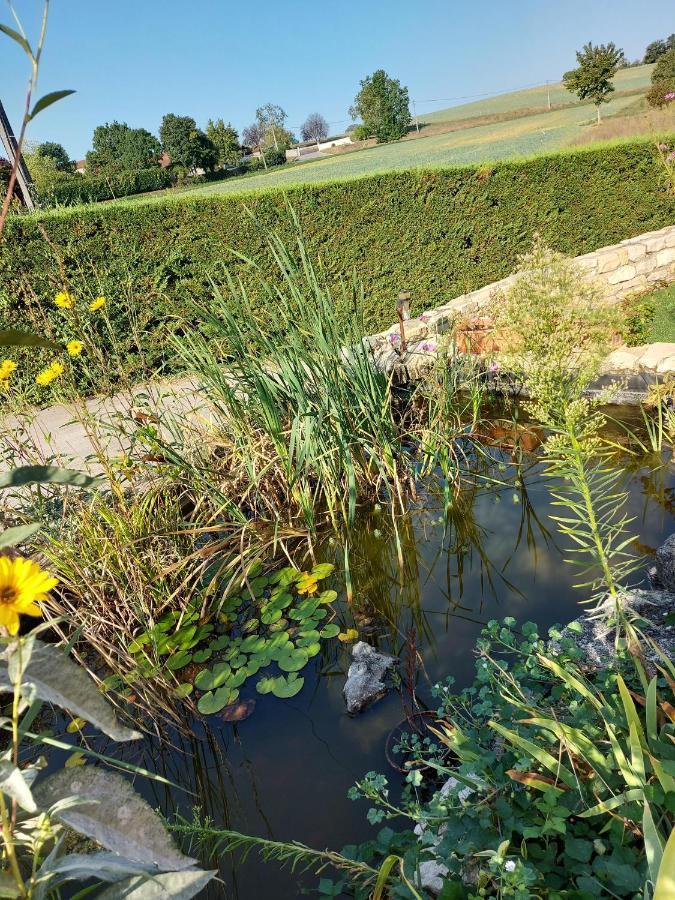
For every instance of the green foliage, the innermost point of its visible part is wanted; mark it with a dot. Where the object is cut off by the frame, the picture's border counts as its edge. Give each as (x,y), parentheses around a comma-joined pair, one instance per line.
(592,79)
(663,80)
(226,141)
(383,105)
(52,150)
(118,148)
(188,147)
(78,189)
(637,319)
(561,778)
(443,232)
(657,49)
(360,133)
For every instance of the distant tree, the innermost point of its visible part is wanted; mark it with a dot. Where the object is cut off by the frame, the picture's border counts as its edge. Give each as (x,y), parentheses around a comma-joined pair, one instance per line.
(253,136)
(663,80)
(271,119)
(315,128)
(187,146)
(592,79)
(57,152)
(226,141)
(657,49)
(383,105)
(119,148)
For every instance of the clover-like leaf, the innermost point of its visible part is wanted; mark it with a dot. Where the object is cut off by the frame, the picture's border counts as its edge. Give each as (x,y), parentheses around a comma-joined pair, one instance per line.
(289,686)
(214,701)
(330,631)
(209,679)
(292,659)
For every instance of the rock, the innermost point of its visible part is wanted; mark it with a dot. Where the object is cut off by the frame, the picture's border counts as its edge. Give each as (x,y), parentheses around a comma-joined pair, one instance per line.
(665,565)
(596,638)
(365,678)
(432,876)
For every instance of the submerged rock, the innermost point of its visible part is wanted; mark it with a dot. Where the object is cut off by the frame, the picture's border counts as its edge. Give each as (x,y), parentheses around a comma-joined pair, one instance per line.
(366,677)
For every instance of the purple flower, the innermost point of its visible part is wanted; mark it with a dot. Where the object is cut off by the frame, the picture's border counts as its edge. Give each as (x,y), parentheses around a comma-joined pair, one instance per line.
(425,317)
(670,95)
(494,367)
(428,347)
(671,157)
(394,339)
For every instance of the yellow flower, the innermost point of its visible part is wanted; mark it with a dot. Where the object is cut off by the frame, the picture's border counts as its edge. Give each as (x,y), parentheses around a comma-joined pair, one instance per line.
(307,584)
(50,374)
(6,368)
(64,300)
(74,348)
(23,584)
(97,304)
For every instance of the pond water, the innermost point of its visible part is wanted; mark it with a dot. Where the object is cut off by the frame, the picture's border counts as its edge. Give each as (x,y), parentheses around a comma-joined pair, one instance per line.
(284,773)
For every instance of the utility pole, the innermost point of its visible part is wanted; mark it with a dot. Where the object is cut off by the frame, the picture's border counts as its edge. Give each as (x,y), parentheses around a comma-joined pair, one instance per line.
(417,124)
(23,178)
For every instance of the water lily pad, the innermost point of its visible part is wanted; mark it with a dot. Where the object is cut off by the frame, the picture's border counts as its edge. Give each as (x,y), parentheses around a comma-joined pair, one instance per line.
(209,679)
(183,690)
(254,643)
(330,631)
(250,625)
(327,596)
(254,665)
(289,686)
(220,643)
(270,615)
(285,576)
(278,640)
(255,569)
(265,685)
(292,659)
(304,610)
(214,701)
(281,625)
(348,636)
(280,598)
(178,660)
(316,617)
(237,678)
(200,656)
(312,649)
(306,636)
(322,570)
(238,661)
(306,584)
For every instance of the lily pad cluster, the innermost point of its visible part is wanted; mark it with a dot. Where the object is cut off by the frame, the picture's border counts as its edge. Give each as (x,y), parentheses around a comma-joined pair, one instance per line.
(271,629)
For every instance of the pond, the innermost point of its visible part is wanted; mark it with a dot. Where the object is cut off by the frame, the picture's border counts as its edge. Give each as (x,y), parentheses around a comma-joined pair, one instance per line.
(284,772)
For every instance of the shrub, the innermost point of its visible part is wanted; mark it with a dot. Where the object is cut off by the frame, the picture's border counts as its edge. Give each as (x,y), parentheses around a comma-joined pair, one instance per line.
(443,232)
(275,157)
(360,133)
(95,188)
(663,80)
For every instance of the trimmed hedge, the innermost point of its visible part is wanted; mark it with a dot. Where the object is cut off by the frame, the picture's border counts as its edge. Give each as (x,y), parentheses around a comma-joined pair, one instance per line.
(438,232)
(95,188)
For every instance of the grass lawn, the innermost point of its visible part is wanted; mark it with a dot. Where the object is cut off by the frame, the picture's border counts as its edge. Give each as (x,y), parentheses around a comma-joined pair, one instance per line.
(663,323)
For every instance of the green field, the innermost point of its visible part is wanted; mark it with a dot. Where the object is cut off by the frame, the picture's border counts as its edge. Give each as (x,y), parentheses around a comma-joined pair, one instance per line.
(663,323)
(533,98)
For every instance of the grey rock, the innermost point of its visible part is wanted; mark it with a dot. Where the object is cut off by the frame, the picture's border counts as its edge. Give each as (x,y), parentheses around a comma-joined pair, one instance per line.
(665,564)
(596,638)
(366,677)
(432,876)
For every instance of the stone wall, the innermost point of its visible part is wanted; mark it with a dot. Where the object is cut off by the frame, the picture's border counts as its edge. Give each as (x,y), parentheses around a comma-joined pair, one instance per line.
(635,265)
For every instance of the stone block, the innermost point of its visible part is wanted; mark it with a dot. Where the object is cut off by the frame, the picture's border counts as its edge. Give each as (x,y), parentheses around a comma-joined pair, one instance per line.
(623,360)
(667,365)
(670,237)
(609,260)
(654,354)
(665,257)
(636,251)
(623,273)
(655,242)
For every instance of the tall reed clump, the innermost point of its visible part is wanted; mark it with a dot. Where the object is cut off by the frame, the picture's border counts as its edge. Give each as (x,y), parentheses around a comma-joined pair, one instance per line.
(558,327)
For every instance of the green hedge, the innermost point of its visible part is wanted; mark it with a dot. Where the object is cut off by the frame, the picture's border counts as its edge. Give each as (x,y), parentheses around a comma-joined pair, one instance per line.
(95,188)
(438,232)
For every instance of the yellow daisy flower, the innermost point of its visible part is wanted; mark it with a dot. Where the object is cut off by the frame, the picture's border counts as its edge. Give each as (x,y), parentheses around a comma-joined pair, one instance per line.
(50,374)
(97,303)
(6,368)
(23,584)
(74,348)
(64,300)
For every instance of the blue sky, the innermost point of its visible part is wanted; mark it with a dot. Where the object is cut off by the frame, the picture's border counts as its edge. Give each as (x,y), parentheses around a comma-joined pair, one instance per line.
(134,60)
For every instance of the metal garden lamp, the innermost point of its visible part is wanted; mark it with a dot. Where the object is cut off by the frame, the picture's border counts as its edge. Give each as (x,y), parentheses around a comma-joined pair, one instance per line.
(403,311)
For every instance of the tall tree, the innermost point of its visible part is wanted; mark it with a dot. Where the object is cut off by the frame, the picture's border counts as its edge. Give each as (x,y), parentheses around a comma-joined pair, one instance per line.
(187,145)
(663,80)
(253,136)
(57,152)
(657,49)
(226,141)
(119,148)
(315,128)
(383,105)
(272,119)
(592,79)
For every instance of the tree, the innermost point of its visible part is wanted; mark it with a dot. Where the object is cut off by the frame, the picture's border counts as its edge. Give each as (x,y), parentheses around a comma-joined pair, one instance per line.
(592,79)
(315,128)
(383,105)
(657,49)
(226,141)
(271,118)
(253,136)
(663,80)
(57,152)
(187,145)
(119,148)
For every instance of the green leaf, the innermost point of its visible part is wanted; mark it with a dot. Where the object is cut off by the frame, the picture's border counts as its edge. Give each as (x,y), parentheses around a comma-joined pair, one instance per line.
(542,756)
(330,631)
(322,570)
(327,596)
(24,475)
(665,883)
(653,843)
(14,785)
(209,679)
(19,534)
(47,100)
(292,659)
(178,660)
(383,876)
(214,701)
(19,38)
(289,686)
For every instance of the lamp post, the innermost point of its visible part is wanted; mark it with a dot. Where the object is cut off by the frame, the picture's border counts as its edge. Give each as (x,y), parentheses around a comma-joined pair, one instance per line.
(403,312)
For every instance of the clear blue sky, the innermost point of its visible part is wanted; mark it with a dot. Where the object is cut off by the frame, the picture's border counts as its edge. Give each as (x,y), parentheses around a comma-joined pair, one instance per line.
(134,60)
